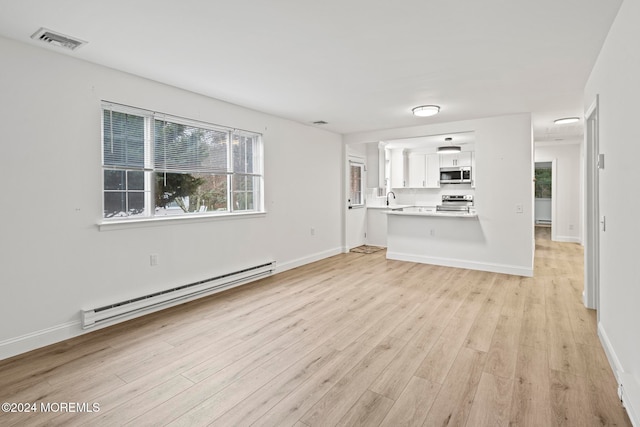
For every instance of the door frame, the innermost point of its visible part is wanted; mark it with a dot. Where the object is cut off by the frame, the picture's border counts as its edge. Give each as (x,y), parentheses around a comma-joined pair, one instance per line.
(554,174)
(351,157)
(591,295)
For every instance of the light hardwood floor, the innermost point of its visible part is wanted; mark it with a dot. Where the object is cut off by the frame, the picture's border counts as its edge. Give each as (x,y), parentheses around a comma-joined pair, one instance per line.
(351,340)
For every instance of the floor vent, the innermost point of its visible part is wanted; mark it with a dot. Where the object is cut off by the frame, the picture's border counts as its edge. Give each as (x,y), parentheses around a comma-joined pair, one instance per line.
(111,313)
(57,39)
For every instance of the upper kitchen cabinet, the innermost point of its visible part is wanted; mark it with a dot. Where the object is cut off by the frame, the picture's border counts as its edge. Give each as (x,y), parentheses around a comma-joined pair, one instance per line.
(432,176)
(456,159)
(415,162)
(398,168)
(424,170)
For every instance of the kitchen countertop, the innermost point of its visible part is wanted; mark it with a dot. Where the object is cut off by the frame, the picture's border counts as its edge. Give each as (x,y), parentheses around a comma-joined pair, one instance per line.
(389,207)
(429,211)
(422,211)
(435,213)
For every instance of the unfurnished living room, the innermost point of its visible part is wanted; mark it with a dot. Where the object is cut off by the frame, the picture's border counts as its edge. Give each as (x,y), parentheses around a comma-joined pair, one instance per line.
(283,213)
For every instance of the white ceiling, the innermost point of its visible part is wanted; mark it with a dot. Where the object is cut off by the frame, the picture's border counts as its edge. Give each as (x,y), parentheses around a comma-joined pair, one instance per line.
(358,64)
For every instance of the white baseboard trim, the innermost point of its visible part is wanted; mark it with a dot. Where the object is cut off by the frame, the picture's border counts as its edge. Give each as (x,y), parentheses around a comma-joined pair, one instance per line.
(288,265)
(34,340)
(630,396)
(611,354)
(567,239)
(31,341)
(471,265)
(628,386)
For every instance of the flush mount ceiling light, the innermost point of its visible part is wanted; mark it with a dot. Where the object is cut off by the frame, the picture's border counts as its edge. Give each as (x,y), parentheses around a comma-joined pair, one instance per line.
(566,120)
(425,110)
(449,148)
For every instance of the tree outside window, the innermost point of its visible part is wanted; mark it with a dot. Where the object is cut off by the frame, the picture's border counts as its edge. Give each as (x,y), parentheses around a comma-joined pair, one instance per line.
(543,183)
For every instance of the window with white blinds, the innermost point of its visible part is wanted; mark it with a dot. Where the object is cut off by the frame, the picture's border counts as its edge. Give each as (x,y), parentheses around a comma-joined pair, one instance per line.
(159,165)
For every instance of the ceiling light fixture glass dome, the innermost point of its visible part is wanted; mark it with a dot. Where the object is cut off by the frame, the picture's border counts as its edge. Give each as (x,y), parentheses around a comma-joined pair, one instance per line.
(566,120)
(425,110)
(449,149)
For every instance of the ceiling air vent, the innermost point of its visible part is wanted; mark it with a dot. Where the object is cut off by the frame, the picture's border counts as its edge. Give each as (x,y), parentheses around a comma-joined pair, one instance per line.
(57,39)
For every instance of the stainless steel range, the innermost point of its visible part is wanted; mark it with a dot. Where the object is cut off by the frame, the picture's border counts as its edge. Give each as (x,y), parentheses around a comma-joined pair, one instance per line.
(456,203)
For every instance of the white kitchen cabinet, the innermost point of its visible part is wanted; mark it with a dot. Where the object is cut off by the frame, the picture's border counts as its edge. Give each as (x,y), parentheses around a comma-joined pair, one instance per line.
(417,170)
(424,170)
(376,227)
(473,170)
(398,168)
(432,175)
(455,160)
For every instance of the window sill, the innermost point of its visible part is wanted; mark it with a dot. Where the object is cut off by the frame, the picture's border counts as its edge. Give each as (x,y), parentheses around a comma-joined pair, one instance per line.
(122,224)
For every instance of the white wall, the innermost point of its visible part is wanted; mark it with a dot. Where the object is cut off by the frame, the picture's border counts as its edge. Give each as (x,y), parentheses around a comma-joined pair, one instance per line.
(55,261)
(616,78)
(504,178)
(568,184)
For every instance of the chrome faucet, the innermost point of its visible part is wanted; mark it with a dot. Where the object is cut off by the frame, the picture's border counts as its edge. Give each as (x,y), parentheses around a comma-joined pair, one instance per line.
(394,196)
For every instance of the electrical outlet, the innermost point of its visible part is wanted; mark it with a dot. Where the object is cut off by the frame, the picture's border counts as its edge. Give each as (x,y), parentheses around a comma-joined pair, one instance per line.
(313,231)
(153,260)
(432,232)
(519,209)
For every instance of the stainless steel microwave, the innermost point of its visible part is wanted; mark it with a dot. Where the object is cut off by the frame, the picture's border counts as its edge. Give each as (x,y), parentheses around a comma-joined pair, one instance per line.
(455,175)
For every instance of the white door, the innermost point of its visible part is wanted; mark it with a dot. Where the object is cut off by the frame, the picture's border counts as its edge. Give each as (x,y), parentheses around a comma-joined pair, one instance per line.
(594,224)
(356,212)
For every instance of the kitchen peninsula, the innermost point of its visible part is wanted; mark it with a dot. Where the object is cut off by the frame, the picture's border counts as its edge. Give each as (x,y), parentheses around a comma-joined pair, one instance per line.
(434,237)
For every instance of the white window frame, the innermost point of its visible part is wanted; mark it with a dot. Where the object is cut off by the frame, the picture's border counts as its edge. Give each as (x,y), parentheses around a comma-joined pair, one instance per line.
(361,166)
(150,171)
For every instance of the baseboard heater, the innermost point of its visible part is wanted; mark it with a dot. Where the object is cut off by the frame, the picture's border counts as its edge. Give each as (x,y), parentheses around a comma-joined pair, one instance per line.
(109,314)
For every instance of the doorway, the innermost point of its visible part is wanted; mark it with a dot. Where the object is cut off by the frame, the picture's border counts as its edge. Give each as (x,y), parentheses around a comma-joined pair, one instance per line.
(543,194)
(356,212)
(545,190)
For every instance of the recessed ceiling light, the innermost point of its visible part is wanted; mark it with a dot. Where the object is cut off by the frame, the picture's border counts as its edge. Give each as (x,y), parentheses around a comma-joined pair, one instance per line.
(426,110)
(566,120)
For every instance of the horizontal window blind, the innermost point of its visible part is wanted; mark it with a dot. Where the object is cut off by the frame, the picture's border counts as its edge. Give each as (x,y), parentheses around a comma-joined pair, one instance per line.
(158,165)
(189,149)
(246,153)
(124,140)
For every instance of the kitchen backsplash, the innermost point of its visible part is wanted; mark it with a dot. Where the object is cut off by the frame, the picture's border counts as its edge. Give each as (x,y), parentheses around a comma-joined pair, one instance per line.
(414,196)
